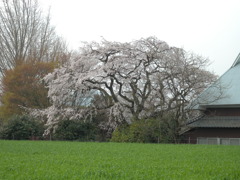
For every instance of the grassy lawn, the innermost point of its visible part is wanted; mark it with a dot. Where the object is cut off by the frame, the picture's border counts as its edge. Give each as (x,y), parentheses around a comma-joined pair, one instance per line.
(77,160)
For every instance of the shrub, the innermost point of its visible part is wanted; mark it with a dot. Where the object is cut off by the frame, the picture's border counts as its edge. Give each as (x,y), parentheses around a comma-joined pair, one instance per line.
(75,130)
(142,131)
(80,130)
(22,128)
(162,129)
(121,134)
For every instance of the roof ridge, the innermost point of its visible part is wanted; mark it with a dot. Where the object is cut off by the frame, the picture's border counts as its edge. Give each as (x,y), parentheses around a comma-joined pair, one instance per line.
(237,61)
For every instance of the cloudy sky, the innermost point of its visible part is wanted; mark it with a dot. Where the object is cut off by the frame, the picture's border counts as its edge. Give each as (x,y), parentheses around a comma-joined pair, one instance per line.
(210,28)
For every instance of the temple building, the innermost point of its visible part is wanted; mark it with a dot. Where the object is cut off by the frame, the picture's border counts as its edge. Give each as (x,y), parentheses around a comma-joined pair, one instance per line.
(219,104)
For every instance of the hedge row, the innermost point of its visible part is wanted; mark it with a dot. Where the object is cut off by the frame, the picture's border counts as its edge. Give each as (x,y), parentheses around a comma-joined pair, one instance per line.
(157,130)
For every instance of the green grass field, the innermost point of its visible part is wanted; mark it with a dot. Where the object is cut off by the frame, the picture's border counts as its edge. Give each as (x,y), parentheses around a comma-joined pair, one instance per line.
(77,160)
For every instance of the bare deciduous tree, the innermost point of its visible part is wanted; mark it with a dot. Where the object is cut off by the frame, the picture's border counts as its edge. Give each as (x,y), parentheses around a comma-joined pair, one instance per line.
(26,34)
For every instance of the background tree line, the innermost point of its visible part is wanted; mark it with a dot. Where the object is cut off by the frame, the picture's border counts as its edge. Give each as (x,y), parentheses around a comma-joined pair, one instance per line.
(126,92)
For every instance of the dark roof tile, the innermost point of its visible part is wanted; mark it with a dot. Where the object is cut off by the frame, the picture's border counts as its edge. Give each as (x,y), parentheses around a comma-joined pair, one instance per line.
(216,122)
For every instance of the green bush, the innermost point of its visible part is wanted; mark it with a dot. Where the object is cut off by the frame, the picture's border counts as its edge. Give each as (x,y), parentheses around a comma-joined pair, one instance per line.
(80,130)
(142,131)
(121,134)
(75,130)
(22,128)
(155,130)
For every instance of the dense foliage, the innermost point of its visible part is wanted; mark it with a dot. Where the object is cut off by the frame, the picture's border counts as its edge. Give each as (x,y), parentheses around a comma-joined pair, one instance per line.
(22,128)
(155,130)
(22,87)
(75,130)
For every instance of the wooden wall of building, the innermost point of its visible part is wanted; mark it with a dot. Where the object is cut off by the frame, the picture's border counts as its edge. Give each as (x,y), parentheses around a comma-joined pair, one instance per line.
(191,136)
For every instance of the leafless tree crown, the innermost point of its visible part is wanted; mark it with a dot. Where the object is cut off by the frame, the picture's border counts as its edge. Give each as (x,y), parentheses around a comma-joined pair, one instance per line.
(26,34)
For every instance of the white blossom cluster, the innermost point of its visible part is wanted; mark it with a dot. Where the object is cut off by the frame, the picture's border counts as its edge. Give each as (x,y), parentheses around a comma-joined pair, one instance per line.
(136,79)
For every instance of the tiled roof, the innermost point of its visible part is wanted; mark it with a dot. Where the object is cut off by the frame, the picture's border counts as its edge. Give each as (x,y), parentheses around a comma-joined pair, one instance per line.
(216,122)
(225,92)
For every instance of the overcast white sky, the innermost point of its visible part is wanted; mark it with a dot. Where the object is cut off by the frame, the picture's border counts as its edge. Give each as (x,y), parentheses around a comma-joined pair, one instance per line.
(210,28)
